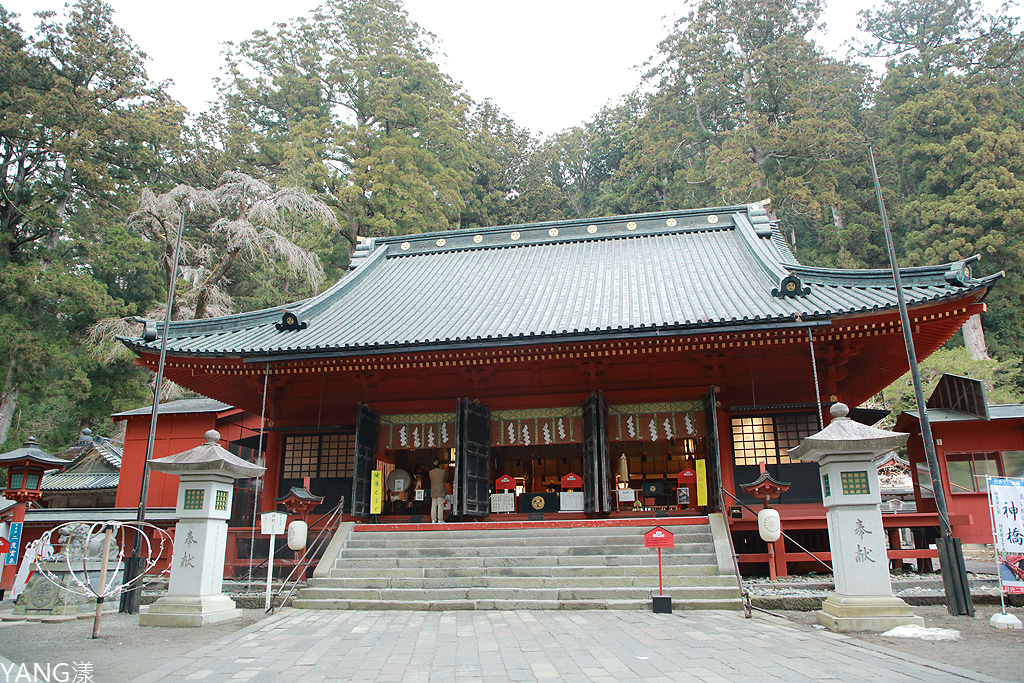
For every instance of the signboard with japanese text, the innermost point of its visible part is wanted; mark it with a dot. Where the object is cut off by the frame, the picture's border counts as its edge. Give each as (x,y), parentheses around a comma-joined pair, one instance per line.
(505,483)
(572,481)
(702,483)
(376,491)
(659,537)
(14,538)
(1006,498)
(273,523)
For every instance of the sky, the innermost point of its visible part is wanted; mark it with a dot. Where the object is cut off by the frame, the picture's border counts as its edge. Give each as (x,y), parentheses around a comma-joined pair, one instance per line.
(549,64)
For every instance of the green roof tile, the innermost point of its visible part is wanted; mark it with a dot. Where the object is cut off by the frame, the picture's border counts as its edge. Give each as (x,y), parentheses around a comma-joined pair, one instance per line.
(671,272)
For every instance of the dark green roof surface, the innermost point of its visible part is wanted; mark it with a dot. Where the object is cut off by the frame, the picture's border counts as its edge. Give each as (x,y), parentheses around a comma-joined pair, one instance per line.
(672,272)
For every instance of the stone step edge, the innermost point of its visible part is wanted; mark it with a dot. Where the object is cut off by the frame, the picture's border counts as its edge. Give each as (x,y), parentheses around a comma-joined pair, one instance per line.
(696,520)
(517,605)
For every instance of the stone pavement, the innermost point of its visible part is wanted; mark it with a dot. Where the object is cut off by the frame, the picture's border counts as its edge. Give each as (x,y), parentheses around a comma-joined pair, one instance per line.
(572,646)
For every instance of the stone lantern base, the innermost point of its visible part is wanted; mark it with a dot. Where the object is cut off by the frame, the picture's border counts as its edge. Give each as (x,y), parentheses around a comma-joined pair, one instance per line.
(188,610)
(845,614)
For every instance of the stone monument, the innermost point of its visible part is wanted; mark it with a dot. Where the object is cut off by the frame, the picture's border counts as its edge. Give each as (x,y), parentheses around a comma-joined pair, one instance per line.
(208,474)
(55,589)
(846,452)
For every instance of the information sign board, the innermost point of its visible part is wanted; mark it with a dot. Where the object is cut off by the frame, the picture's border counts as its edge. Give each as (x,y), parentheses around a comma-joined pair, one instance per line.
(273,523)
(1006,499)
(504,483)
(702,484)
(14,538)
(572,481)
(376,491)
(659,537)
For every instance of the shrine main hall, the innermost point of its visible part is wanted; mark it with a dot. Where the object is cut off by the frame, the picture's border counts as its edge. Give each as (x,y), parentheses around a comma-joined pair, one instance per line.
(669,355)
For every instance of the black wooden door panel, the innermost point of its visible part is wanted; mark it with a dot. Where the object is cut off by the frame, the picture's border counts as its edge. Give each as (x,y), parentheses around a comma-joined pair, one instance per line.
(365,459)
(472,459)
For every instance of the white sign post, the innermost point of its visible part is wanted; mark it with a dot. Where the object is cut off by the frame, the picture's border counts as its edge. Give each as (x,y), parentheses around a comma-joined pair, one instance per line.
(1006,503)
(272,524)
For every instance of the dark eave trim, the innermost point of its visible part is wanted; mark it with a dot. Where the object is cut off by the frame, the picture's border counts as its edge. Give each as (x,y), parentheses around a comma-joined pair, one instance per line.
(527,341)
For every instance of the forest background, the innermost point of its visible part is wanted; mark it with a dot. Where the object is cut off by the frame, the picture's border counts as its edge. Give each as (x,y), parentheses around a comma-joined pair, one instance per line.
(340,124)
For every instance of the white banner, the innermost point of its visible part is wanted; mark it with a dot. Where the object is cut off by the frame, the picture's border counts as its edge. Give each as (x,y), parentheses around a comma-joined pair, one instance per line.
(1006,499)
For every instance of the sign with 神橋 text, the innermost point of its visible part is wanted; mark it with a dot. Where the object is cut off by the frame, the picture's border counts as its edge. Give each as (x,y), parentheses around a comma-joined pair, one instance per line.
(1006,498)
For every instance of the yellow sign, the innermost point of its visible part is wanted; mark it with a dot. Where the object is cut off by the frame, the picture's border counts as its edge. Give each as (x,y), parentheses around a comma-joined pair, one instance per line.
(376,491)
(702,484)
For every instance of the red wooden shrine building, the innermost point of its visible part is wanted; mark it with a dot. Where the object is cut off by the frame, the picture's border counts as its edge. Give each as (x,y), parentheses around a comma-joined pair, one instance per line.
(625,349)
(973,440)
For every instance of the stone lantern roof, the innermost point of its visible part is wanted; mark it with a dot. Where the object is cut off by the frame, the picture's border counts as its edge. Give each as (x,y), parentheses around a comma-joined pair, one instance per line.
(208,457)
(32,453)
(844,436)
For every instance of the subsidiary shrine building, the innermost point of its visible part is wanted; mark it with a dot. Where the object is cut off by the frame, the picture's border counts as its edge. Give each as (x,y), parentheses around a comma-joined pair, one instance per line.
(656,357)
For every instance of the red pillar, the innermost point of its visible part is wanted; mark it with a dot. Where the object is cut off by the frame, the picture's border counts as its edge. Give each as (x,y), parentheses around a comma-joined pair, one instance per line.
(275,445)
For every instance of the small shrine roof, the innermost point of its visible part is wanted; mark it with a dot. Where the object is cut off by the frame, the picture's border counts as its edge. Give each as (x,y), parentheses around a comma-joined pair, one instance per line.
(678,272)
(183,405)
(301,494)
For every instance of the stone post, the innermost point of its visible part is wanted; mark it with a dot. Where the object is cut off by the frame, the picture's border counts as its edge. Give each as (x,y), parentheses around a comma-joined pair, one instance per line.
(846,452)
(208,474)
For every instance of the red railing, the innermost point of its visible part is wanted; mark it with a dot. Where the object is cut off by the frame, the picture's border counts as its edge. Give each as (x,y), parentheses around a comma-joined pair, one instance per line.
(922,526)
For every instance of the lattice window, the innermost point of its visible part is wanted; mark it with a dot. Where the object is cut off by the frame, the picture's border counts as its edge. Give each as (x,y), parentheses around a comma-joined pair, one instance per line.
(854,483)
(221,503)
(318,455)
(766,438)
(336,455)
(193,499)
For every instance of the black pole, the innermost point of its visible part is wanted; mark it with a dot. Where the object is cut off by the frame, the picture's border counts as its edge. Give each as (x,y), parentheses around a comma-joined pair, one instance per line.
(958,600)
(132,598)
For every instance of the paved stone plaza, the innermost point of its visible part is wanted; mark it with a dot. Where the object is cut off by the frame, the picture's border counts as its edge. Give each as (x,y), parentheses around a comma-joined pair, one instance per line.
(572,646)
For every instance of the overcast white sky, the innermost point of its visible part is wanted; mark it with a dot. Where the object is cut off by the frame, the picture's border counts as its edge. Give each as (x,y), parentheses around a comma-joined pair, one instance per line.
(549,64)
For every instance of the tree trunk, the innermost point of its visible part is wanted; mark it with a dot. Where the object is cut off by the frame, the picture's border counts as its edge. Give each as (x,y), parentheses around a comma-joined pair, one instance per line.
(974,339)
(8,403)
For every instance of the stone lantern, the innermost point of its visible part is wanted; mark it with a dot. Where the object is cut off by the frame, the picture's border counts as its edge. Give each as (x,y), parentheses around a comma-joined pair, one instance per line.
(846,452)
(25,469)
(208,473)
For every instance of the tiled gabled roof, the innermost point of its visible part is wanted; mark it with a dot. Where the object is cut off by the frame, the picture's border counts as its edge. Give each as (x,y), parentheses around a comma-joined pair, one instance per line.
(672,272)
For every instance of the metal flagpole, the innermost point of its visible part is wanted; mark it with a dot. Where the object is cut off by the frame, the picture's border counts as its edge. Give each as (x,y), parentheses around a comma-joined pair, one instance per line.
(131,599)
(958,598)
(995,543)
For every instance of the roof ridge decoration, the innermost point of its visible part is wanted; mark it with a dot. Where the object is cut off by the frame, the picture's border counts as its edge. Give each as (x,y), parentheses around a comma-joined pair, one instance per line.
(956,273)
(576,230)
(290,322)
(788,283)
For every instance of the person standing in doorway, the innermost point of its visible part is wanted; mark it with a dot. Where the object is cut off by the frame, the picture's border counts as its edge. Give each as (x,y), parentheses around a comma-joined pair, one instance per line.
(438,490)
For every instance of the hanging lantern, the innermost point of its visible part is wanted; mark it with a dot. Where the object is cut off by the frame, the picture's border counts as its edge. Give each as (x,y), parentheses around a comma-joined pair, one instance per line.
(297,532)
(769,525)
(623,469)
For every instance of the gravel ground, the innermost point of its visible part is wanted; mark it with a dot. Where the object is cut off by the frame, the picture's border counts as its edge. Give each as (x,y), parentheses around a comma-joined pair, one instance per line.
(980,647)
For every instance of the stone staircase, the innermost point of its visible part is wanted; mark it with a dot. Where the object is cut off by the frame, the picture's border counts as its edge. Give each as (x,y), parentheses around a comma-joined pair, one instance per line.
(588,567)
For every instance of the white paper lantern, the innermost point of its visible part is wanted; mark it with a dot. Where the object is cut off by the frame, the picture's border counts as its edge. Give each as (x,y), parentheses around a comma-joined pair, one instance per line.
(297,535)
(769,525)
